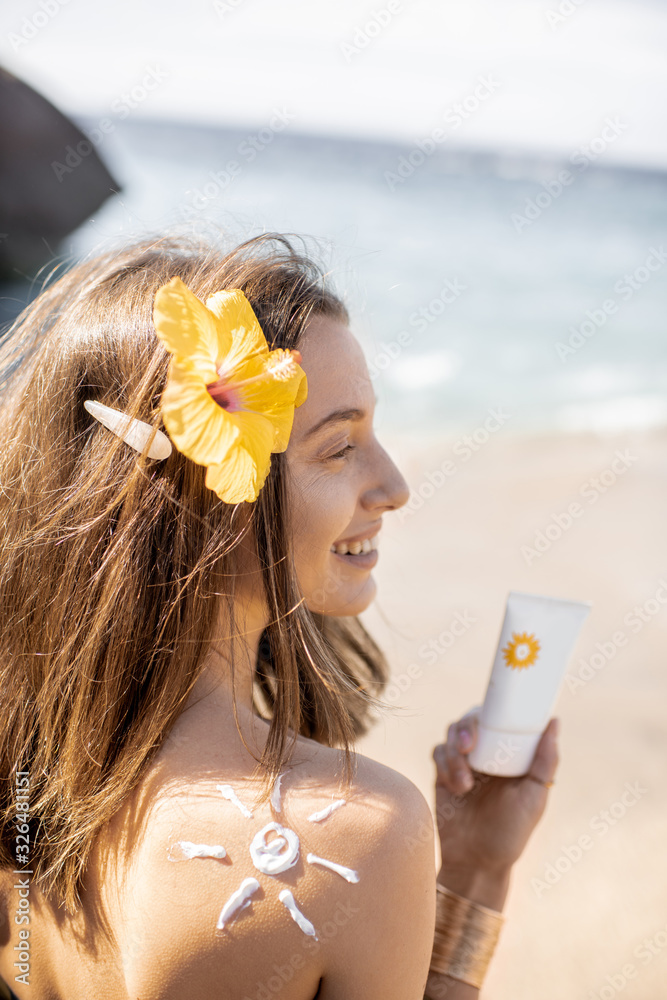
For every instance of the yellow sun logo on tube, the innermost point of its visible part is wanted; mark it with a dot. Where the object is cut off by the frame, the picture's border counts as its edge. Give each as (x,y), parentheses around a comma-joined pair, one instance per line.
(522,651)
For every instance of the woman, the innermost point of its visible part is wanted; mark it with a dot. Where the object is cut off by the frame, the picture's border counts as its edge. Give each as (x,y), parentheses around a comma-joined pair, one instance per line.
(184,674)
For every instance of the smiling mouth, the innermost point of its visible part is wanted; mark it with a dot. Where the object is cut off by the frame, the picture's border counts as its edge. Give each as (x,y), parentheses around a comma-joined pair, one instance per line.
(355,548)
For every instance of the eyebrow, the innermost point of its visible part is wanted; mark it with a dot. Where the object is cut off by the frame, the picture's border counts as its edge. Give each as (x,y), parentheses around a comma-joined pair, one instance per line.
(336,417)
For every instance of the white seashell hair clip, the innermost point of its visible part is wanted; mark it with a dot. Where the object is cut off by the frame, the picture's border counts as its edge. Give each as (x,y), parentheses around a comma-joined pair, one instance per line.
(134,432)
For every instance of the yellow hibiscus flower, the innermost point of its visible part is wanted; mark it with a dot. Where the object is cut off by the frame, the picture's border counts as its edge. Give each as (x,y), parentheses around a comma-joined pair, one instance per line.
(229,402)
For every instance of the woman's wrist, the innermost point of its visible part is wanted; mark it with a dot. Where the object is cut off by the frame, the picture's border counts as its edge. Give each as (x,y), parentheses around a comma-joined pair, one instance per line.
(466,929)
(483,886)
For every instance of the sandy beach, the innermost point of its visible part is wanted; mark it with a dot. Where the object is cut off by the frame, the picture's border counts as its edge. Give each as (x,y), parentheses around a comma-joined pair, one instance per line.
(578,516)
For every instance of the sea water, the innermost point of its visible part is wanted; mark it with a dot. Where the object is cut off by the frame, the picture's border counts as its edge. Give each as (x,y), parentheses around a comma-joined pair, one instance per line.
(477,282)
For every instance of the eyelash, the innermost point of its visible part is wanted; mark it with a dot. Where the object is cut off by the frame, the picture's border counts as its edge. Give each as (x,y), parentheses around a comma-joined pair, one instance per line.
(340,454)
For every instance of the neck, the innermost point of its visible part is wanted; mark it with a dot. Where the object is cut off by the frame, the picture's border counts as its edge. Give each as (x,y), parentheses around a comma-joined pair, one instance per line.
(217,690)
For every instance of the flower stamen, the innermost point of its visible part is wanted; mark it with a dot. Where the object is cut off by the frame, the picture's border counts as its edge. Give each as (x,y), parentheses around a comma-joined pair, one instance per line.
(280,365)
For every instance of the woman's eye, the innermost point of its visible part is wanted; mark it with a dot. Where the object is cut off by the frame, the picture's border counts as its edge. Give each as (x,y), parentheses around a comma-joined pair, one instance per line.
(340,454)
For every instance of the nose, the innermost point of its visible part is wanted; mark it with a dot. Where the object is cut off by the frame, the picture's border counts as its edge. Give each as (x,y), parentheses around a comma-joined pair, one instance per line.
(389,490)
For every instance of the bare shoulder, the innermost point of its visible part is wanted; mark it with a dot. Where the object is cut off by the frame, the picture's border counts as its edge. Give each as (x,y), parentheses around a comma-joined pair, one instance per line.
(222,897)
(384,950)
(380,801)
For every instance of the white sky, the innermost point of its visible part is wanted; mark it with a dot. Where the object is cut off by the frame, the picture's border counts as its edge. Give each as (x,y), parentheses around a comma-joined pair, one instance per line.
(557,84)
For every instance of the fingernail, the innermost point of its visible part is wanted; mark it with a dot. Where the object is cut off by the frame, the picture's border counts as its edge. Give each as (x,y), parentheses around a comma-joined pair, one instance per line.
(465,780)
(465,739)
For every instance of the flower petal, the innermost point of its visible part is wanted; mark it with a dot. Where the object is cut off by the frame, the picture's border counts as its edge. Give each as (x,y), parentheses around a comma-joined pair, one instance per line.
(188,329)
(267,393)
(237,479)
(247,340)
(199,428)
(245,467)
(281,416)
(275,400)
(302,391)
(256,435)
(282,424)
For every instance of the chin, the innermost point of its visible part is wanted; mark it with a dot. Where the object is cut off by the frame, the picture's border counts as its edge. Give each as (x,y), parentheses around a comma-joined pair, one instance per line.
(344,605)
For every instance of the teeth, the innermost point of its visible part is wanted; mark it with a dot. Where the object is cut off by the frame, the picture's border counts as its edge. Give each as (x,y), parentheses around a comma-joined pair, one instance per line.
(355,548)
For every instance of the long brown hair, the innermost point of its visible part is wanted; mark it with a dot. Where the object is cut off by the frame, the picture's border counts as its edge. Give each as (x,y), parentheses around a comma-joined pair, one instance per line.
(112,565)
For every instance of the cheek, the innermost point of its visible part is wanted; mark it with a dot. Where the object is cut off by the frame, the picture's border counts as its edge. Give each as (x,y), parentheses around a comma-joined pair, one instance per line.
(328,586)
(322,511)
(320,519)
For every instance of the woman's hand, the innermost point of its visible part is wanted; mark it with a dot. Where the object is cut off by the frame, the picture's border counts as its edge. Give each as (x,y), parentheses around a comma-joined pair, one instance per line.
(484,822)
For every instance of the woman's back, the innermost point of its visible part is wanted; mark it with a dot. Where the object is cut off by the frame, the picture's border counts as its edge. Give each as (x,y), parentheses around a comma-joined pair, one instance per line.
(147,927)
(159,590)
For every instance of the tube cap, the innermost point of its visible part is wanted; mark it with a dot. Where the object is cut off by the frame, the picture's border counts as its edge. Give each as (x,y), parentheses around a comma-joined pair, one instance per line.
(507,755)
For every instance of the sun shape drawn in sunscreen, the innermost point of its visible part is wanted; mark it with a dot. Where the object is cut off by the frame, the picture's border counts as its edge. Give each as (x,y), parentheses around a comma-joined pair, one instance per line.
(269,856)
(522,651)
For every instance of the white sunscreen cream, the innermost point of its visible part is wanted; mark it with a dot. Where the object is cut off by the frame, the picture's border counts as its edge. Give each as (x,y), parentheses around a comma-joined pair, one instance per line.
(348,873)
(268,856)
(238,901)
(323,814)
(287,899)
(185,850)
(275,794)
(228,793)
(537,638)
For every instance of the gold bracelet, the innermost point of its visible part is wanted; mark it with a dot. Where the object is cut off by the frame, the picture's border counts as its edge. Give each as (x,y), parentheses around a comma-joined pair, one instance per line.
(466,934)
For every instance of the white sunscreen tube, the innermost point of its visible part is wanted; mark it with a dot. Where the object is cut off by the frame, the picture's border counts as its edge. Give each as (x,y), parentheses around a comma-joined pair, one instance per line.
(537,638)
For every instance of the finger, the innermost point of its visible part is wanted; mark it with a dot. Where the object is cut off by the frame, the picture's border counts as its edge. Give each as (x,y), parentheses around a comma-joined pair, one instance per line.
(444,776)
(545,761)
(453,771)
(467,728)
(458,767)
(448,765)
